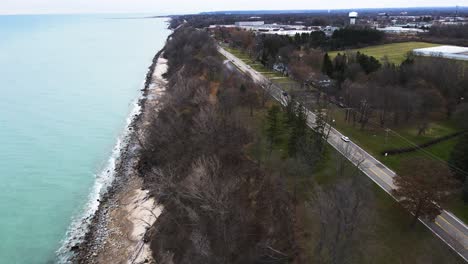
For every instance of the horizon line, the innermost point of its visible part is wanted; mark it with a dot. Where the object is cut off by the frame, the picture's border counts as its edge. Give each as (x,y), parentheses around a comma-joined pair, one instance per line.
(218,11)
(336,9)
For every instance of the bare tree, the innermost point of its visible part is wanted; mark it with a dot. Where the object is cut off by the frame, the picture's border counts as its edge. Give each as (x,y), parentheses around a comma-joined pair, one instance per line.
(421,186)
(344,214)
(344,211)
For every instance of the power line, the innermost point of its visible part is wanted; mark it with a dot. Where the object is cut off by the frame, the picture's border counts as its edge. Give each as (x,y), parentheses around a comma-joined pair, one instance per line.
(411,143)
(431,154)
(418,148)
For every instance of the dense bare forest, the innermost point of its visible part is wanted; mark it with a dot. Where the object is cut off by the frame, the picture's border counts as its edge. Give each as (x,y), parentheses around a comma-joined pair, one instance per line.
(242,179)
(220,207)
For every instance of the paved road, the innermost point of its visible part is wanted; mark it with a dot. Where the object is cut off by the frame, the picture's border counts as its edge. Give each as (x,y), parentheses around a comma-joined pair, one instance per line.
(446,226)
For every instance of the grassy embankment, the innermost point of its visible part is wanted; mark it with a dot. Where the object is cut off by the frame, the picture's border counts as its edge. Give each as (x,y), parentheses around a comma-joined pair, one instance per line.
(389,238)
(395,52)
(273,76)
(374,138)
(256,65)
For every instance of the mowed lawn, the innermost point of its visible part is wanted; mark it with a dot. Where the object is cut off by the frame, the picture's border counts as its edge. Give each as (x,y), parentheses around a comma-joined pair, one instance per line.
(396,52)
(270,74)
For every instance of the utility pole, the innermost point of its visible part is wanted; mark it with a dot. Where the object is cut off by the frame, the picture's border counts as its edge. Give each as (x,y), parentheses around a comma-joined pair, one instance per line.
(348,114)
(386,135)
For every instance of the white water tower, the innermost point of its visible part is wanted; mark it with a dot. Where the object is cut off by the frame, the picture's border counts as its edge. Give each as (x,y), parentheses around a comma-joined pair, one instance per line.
(352,17)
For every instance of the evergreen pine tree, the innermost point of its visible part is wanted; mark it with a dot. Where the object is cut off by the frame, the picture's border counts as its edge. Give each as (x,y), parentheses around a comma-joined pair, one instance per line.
(298,130)
(320,129)
(242,88)
(273,126)
(327,66)
(465,190)
(459,158)
(291,112)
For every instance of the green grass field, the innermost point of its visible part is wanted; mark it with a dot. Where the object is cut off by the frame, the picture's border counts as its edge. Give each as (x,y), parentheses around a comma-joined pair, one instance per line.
(255,65)
(375,139)
(395,52)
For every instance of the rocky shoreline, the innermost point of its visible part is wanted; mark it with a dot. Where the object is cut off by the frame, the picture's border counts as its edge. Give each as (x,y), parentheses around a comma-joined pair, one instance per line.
(111,220)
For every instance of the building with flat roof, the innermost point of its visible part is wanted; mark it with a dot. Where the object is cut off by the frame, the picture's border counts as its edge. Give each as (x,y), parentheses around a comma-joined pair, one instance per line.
(291,33)
(448,52)
(249,23)
(401,30)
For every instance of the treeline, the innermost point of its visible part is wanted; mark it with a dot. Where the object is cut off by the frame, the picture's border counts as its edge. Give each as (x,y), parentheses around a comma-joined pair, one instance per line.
(342,38)
(447,34)
(449,31)
(205,20)
(458,159)
(421,146)
(418,91)
(349,66)
(219,206)
(268,45)
(354,37)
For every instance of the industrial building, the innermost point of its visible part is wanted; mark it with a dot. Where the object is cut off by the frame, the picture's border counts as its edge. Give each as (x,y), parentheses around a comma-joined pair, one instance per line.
(262,28)
(449,52)
(401,30)
(250,23)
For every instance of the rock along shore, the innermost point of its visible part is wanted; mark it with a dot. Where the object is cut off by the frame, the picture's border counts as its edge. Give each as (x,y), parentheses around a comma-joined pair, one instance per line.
(115,233)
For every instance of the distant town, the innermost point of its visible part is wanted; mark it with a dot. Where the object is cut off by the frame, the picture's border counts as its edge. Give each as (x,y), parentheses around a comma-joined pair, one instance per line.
(400,24)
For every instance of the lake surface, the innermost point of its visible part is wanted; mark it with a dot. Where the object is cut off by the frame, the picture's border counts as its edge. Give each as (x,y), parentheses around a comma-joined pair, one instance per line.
(67,86)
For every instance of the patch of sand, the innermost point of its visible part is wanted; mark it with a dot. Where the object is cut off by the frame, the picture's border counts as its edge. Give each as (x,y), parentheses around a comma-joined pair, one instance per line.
(128,222)
(143,212)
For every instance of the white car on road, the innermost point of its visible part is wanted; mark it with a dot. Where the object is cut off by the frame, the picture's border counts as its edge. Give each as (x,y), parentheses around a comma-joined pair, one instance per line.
(345,139)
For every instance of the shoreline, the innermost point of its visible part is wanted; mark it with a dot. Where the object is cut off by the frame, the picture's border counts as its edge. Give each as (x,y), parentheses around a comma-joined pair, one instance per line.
(114,233)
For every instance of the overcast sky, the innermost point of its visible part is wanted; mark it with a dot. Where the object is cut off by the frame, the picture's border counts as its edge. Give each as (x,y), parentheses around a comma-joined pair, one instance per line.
(195,6)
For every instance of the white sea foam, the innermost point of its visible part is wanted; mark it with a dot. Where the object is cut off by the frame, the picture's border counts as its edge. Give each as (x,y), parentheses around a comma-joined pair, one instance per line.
(80,224)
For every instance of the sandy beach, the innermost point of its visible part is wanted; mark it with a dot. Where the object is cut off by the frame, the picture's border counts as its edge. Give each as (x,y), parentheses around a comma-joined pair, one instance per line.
(126,211)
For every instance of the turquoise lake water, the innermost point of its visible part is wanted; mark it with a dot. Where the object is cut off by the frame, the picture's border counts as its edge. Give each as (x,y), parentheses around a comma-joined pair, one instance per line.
(67,86)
